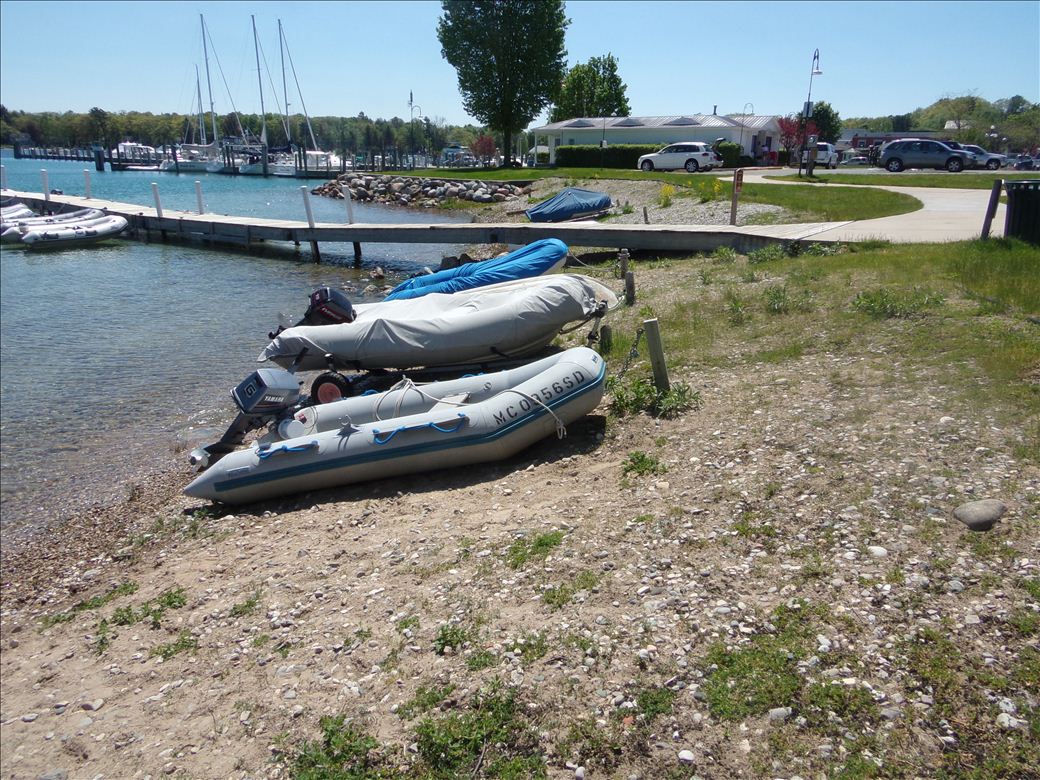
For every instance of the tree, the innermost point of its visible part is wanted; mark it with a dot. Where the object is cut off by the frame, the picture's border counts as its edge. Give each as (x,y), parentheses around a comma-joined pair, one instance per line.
(827,121)
(483,148)
(592,89)
(793,133)
(509,56)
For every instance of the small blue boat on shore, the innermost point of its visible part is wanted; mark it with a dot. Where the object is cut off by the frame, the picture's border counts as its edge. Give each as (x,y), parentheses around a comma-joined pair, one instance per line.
(535,259)
(571,203)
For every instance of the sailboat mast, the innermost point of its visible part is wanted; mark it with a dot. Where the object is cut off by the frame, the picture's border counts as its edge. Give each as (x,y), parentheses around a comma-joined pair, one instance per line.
(202,120)
(285,91)
(209,85)
(303,105)
(260,81)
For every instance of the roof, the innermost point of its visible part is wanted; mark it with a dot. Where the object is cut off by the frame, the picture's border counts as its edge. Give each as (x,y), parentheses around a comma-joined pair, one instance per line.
(685,120)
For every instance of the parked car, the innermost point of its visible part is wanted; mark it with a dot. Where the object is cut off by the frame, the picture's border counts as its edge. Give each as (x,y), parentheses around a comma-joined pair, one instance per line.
(856,161)
(1024,163)
(826,155)
(922,153)
(984,159)
(691,156)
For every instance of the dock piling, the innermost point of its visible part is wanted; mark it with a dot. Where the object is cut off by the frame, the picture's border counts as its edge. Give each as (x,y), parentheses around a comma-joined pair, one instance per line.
(315,252)
(3,177)
(198,196)
(46,187)
(86,182)
(158,202)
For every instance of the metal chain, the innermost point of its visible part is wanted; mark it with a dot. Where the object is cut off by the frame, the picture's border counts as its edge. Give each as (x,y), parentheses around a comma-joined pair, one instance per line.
(632,353)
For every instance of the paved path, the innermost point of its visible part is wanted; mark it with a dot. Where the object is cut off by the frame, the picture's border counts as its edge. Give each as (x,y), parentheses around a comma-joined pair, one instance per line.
(946,215)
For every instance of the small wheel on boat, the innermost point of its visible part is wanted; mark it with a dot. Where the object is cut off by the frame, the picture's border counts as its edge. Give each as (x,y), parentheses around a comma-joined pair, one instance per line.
(330,387)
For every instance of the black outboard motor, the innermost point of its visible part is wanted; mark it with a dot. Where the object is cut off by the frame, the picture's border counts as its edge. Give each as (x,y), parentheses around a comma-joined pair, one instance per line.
(327,307)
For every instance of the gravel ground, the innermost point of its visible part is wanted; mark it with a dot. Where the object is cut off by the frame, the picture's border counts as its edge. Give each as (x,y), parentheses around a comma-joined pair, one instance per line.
(798,523)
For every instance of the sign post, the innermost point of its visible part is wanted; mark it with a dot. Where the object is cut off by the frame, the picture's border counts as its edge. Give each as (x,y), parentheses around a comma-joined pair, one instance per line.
(738,185)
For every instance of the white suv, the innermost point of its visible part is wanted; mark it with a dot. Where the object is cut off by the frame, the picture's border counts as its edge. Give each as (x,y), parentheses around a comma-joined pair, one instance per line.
(826,155)
(692,156)
(983,158)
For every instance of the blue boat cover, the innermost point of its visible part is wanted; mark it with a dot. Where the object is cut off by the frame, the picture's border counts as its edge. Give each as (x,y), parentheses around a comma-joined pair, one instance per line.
(527,261)
(568,204)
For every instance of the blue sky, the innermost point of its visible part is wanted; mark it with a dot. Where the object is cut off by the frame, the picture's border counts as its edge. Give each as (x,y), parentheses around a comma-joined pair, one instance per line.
(675,57)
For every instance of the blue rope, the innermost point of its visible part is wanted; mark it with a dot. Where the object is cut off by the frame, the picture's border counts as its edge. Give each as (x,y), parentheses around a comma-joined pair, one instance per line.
(376,433)
(267,452)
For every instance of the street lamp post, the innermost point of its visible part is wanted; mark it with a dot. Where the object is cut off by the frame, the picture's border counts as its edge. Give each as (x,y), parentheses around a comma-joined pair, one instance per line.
(807,110)
(413,107)
(743,118)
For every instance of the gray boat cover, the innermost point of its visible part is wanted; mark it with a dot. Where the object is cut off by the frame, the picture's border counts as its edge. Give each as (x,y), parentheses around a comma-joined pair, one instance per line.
(499,321)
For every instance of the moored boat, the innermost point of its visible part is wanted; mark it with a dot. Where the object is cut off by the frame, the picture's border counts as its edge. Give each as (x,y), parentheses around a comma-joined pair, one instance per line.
(74,234)
(410,428)
(570,204)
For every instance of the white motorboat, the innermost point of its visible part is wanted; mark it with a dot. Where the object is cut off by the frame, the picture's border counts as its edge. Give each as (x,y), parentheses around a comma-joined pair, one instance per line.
(408,429)
(74,234)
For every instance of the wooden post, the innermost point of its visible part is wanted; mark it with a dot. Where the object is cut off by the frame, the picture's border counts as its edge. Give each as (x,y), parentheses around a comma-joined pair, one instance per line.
(630,288)
(606,339)
(646,216)
(86,181)
(623,263)
(46,188)
(738,183)
(3,177)
(656,349)
(315,254)
(198,196)
(991,209)
(158,202)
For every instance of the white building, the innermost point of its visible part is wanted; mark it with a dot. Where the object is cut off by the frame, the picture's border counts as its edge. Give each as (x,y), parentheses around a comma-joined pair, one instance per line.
(754,133)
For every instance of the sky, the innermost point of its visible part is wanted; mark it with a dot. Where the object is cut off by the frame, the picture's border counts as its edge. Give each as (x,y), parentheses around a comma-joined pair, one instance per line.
(677,57)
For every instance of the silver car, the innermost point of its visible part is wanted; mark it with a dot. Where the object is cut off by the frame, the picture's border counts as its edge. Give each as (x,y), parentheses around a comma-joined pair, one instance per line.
(985,159)
(922,153)
(691,156)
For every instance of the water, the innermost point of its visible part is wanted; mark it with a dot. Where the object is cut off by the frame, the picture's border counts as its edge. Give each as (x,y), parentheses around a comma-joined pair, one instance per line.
(116,359)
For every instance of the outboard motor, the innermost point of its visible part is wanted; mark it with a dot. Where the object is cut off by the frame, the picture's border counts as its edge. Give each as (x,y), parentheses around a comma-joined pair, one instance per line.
(327,307)
(263,397)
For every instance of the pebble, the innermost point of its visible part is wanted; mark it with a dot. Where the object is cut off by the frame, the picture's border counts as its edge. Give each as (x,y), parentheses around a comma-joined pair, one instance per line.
(877,552)
(779,714)
(92,706)
(686,756)
(29,717)
(54,774)
(1008,721)
(980,515)
(954,586)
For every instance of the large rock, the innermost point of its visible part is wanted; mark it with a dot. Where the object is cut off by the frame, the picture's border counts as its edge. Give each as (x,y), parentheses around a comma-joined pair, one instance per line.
(980,515)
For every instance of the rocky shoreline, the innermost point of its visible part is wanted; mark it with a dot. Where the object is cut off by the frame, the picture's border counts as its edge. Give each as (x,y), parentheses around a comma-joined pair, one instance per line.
(417,192)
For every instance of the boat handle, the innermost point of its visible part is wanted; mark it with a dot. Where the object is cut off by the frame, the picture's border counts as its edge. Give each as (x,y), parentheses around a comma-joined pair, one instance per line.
(441,427)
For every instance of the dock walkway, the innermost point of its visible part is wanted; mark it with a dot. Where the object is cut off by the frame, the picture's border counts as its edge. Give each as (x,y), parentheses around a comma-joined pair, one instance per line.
(145,222)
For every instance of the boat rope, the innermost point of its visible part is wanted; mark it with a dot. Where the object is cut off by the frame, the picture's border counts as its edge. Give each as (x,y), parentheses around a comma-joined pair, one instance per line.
(561,429)
(376,434)
(404,386)
(266,451)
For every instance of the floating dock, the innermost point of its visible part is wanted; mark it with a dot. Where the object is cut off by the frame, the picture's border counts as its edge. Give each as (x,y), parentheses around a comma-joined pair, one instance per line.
(150,224)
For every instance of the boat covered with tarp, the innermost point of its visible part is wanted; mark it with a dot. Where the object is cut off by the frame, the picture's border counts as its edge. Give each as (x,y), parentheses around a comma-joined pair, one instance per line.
(571,203)
(496,322)
(535,259)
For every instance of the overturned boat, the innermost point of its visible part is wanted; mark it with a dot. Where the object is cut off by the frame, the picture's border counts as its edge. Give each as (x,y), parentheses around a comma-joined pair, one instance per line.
(497,322)
(534,259)
(407,429)
(570,204)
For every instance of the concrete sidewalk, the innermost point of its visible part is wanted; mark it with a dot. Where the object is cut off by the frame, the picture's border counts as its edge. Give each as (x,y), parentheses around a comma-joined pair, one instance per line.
(946,215)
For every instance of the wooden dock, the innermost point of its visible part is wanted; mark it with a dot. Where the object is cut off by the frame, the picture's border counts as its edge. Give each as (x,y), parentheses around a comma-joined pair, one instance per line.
(146,224)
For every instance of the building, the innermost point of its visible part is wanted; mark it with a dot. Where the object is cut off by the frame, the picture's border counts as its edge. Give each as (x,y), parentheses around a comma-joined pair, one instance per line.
(754,133)
(861,139)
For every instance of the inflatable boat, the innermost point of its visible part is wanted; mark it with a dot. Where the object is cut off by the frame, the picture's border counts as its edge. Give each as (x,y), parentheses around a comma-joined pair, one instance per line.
(74,234)
(497,322)
(410,428)
(535,259)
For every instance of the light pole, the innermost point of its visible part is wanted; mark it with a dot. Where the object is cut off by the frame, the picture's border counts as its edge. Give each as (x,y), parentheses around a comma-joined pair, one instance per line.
(807,110)
(413,107)
(743,118)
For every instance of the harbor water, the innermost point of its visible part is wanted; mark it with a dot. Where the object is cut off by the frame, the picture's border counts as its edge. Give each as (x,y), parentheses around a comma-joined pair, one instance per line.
(117,359)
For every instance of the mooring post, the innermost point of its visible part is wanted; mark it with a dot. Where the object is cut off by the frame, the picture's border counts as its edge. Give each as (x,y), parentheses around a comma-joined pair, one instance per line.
(991,209)
(622,257)
(606,339)
(315,253)
(656,349)
(3,177)
(198,197)
(86,181)
(349,201)
(630,288)
(46,188)
(158,203)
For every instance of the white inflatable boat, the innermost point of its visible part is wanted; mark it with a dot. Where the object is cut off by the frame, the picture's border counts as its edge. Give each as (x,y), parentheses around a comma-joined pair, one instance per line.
(74,234)
(410,428)
(496,322)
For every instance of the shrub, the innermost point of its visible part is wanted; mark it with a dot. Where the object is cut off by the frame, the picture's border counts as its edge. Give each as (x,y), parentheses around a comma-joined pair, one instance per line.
(730,154)
(641,395)
(664,199)
(590,156)
(767,254)
(884,304)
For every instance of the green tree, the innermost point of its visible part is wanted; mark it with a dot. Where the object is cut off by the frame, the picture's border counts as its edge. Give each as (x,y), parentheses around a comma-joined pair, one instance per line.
(827,121)
(592,89)
(509,56)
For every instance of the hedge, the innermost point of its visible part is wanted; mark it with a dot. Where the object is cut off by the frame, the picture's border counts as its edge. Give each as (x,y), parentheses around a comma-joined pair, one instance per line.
(616,156)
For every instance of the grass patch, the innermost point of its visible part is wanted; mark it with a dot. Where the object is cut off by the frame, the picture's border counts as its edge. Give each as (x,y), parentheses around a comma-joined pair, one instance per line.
(482,659)
(94,603)
(882,303)
(343,752)
(184,641)
(425,699)
(523,550)
(559,596)
(643,464)
(450,635)
(960,181)
(491,739)
(247,607)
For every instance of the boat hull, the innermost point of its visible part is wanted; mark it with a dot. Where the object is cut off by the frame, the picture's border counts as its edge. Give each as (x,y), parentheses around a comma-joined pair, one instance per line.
(448,434)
